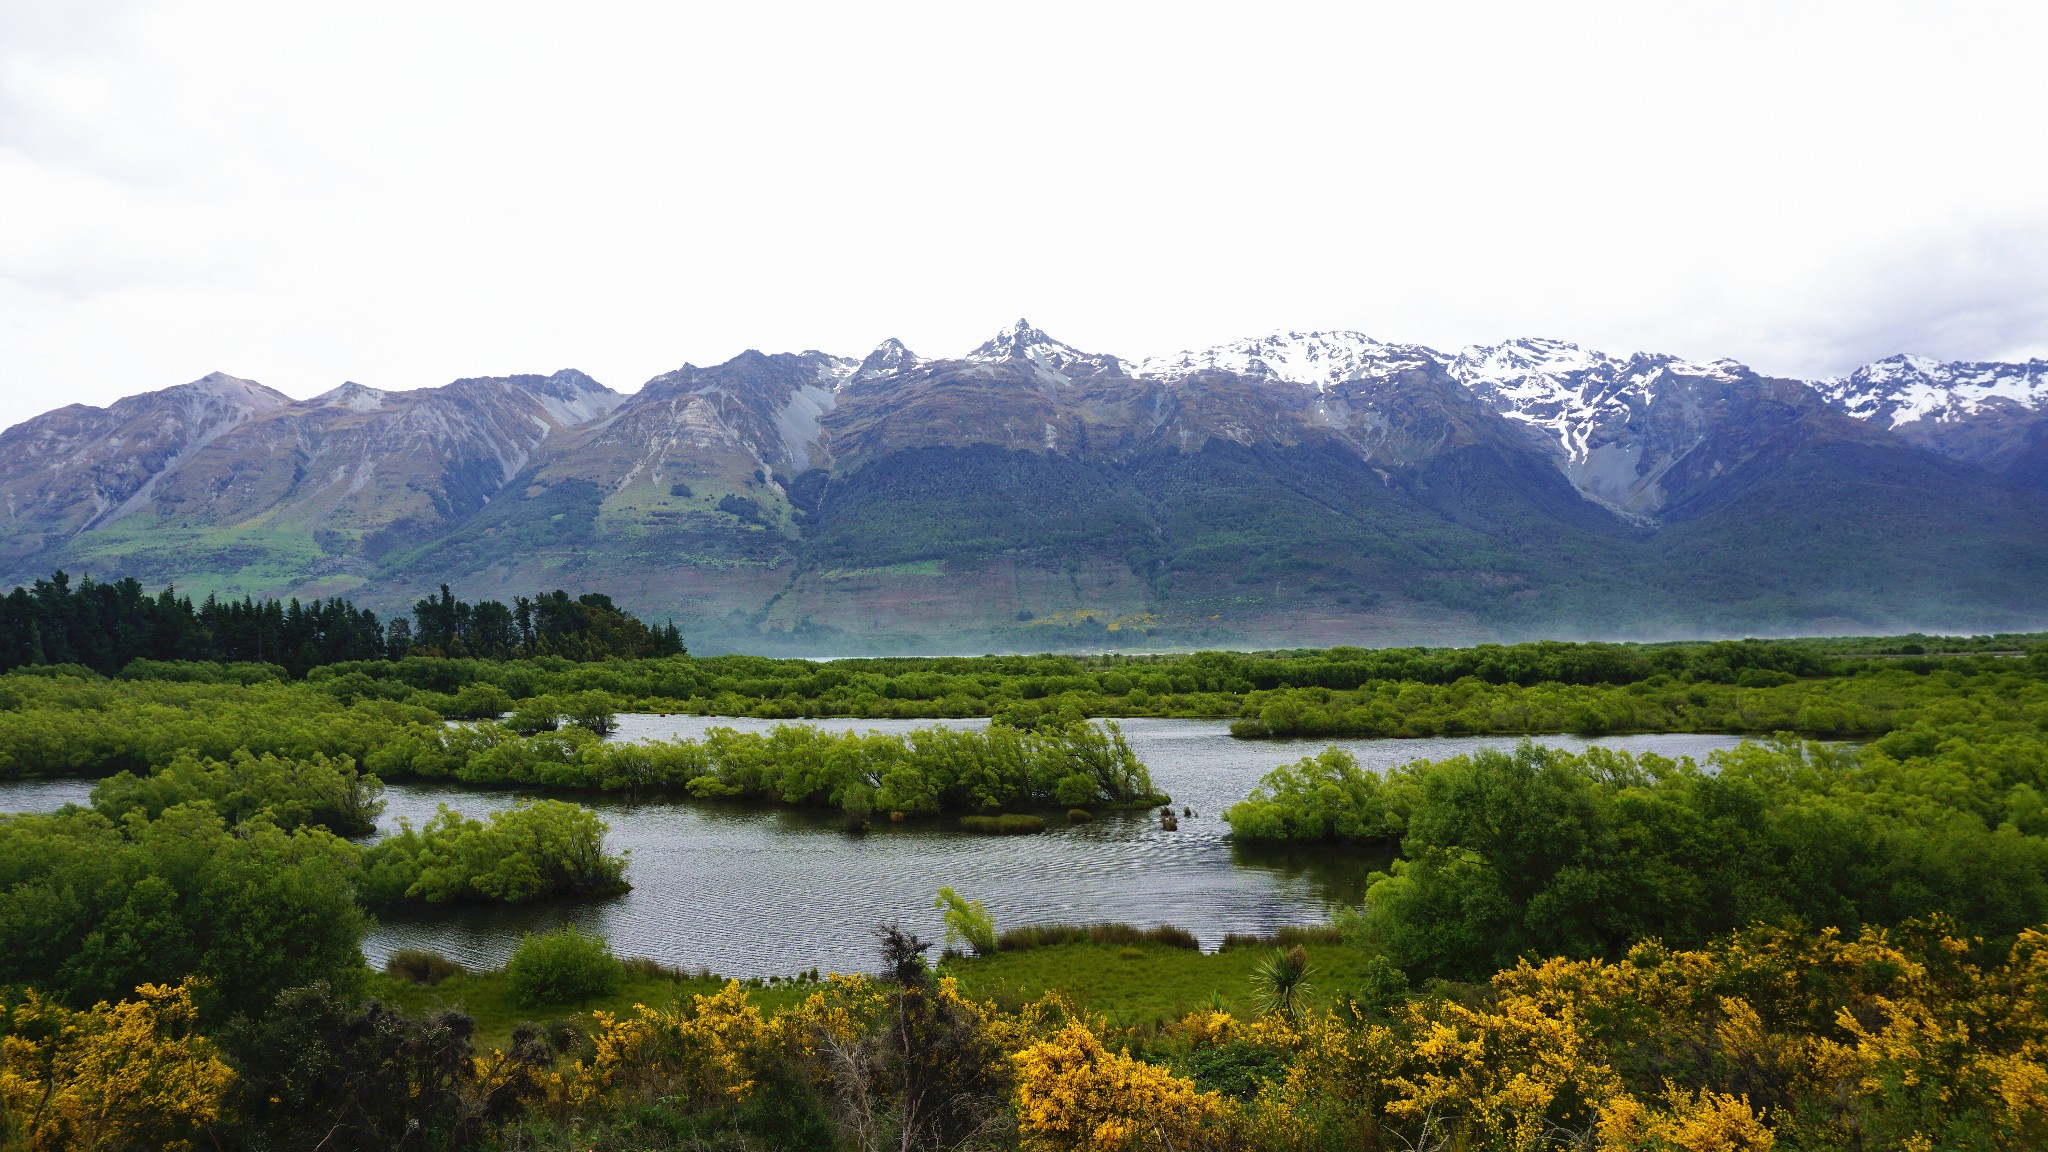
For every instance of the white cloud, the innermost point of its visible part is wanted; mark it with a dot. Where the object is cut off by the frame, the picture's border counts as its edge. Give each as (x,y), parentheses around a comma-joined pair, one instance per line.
(402,193)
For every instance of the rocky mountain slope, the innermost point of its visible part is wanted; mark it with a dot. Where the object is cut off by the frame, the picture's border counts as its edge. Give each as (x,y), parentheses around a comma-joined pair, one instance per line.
(225,485)
(1293,488)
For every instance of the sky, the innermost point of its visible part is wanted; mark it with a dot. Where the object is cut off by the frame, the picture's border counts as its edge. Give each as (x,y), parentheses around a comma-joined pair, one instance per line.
(404,194)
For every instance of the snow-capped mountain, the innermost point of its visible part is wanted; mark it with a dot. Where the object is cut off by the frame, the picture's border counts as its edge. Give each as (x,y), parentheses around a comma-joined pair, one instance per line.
(1990,414)
(890,358)
(1318,360)
(1286,484)
(1568,390)
(1902,390)
(1613,425)
(1056,362)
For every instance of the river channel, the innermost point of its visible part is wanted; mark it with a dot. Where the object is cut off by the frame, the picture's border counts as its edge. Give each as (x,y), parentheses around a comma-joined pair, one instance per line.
(747,892)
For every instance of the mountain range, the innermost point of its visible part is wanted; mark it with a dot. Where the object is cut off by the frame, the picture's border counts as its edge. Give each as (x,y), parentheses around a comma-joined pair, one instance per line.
(1297,488)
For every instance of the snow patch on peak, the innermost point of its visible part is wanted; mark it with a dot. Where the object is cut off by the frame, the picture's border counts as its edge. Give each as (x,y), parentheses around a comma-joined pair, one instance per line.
(890,358)
(581,409)
(569,397)
(1904,389)
(1581,397)
(1316,360)
(569,383)
(1016,342)
(352,396)
(829,371)
(1054,360)
(1534,367)
(1527,359)
(234,389)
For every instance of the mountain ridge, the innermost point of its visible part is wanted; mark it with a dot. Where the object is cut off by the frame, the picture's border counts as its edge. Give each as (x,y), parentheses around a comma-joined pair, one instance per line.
(1027,491)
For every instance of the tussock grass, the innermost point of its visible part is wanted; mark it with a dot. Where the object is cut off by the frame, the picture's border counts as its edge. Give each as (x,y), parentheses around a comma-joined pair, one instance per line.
(419,966)
(1286,937)
(1008,824)
(1049,935)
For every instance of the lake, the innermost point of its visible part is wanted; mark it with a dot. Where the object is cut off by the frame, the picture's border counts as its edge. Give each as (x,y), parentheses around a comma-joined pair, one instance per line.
(749,892)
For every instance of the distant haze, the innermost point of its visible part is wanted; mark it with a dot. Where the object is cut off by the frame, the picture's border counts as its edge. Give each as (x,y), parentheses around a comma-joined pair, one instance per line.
(404,194)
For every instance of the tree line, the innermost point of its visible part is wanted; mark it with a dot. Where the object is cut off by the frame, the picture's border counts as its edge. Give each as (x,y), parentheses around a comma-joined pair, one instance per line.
(108,625)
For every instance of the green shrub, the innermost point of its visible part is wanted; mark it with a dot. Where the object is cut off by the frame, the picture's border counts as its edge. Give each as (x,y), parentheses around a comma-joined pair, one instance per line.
(592,712)
(1544,852)
(562,966)
(1236,1069)
(90,907)
(535,716)
(537,851)
(289,792)
(478,702)
(967,921)
(1325,797)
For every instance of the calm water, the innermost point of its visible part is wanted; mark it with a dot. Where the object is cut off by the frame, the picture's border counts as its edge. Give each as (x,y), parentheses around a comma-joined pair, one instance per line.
(756,892)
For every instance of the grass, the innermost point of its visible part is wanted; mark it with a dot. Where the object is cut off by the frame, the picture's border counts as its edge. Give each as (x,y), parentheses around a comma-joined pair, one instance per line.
(1145,984)
(1053,935)
(487,998)
(1133,982)
(253,557)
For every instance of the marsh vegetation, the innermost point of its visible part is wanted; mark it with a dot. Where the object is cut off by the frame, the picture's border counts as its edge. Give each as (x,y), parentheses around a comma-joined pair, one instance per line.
(1833,915)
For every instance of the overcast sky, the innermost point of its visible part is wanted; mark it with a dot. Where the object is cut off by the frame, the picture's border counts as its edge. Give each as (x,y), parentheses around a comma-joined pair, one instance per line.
(402,194)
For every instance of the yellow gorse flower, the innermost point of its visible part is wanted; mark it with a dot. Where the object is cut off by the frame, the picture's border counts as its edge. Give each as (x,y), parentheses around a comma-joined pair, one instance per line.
(1075,1094)
(128,1074)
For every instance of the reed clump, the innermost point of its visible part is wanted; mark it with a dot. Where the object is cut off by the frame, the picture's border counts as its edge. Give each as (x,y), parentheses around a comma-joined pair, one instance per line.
(1127,935)
(420,966)
(1287,937)
(1007,824)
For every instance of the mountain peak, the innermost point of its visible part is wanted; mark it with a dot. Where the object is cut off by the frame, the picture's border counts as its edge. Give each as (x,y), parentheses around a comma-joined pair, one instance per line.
(571,382)
(1317,360)
(233,388)
(890,358)
(352,396)
(1053,359)
(1904,389)
(1538,354)
(1016,342)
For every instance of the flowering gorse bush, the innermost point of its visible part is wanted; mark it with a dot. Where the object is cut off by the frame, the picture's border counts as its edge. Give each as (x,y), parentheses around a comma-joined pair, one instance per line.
(126,1075)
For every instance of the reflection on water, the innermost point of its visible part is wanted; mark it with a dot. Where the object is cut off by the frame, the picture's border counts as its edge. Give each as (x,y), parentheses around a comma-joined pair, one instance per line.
(748,892)
(1337,874)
